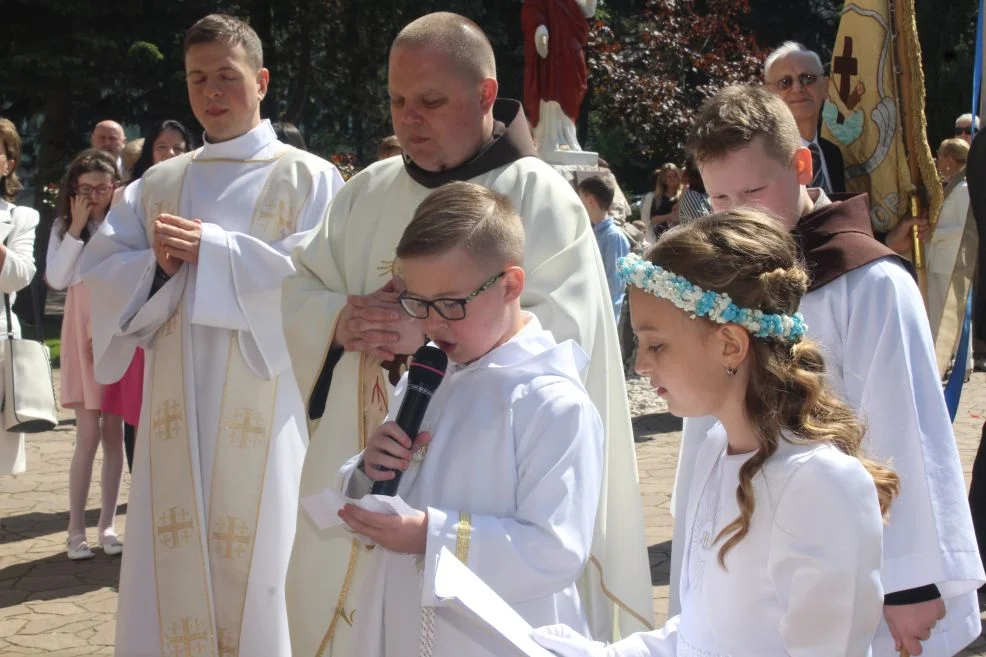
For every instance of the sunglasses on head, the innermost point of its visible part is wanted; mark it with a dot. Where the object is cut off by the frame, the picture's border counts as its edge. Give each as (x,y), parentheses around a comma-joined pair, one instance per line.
(786,82)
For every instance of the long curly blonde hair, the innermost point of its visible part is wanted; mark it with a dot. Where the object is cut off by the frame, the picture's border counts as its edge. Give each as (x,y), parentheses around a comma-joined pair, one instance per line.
(752,258)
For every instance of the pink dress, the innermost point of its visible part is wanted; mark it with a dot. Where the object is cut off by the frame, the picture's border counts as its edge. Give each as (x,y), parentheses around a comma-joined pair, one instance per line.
(79,387)
(125,397)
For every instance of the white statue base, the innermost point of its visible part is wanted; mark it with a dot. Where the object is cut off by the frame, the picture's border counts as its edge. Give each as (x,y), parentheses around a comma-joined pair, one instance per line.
(571,158)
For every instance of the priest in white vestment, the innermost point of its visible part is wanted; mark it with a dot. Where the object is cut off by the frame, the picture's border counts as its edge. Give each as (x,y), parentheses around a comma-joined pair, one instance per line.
(188,266)
(447,118)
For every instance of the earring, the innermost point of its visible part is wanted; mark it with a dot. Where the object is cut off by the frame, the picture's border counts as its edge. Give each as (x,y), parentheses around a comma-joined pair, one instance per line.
(730,371)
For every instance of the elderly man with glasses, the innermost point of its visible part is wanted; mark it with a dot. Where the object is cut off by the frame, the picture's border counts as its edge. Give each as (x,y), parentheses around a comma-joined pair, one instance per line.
(795,74)
(963,127)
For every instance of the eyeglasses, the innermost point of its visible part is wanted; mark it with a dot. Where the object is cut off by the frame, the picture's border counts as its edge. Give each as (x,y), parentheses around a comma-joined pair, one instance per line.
(786,82)
(98,190)
(451,309)
(963,131)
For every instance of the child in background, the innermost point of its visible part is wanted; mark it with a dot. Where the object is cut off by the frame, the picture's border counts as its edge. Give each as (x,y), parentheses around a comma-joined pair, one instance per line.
(597,195)
(84,199)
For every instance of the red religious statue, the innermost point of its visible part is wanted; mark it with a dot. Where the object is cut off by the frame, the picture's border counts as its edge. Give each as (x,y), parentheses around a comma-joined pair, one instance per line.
(555,75)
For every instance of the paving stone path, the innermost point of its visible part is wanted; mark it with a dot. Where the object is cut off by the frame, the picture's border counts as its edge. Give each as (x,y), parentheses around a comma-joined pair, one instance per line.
(51,606)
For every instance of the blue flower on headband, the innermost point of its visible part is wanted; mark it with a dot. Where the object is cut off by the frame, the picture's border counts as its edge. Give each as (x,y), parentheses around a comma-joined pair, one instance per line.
(716,306)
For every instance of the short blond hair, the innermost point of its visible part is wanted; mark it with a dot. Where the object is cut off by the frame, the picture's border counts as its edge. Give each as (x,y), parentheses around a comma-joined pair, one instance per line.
(955,148)
(469,216)
(735,117)
(460,40)
(130,155)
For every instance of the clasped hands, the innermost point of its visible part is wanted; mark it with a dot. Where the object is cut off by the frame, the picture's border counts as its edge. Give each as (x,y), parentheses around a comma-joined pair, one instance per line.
(389,448)
(176,241)
(376,324)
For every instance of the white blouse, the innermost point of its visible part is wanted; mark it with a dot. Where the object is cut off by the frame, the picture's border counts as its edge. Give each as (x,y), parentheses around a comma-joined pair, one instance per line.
(64,256)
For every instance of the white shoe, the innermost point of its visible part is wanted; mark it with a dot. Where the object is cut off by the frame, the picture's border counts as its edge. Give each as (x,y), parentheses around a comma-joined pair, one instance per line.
(111,545)
(78,548)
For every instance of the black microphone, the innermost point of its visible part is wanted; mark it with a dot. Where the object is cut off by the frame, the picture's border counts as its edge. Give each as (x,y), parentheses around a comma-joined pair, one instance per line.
(423,377)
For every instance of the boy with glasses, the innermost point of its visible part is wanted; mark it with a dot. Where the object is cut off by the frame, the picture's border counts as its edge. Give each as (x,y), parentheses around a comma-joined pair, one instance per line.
(511,477)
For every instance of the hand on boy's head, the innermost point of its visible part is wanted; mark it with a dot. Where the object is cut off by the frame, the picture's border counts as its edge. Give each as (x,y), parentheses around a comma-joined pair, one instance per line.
(375,323)
(401,534)
(389,448)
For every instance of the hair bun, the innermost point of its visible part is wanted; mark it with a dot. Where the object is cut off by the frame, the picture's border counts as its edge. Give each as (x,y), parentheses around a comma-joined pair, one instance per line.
(784,287)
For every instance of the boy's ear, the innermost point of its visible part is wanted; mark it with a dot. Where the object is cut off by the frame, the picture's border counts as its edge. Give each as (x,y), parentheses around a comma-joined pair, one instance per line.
(802,164)
(513,283)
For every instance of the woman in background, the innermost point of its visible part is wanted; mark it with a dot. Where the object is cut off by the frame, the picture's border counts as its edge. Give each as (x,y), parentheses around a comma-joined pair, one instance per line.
(17,227)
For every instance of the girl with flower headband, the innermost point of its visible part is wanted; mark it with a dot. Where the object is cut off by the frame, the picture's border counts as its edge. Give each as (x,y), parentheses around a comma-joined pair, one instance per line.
(783,546)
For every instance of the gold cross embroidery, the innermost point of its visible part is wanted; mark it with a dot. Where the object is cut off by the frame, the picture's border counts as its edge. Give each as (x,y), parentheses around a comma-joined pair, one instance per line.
(232,537)
(243,433)
(170,326)
(185,638)
(228,644)
(278,218)
(174,527)
(161,207)
(167,420)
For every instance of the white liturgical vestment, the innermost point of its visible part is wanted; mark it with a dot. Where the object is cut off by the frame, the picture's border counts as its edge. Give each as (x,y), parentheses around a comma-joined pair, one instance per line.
(205,575)
(352,252)
(508,488)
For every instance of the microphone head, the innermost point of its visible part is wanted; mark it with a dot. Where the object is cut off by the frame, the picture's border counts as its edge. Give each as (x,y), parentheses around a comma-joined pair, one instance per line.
(427,368)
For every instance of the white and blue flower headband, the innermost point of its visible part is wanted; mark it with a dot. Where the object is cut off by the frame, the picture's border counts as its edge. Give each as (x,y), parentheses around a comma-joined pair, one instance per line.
(716,306)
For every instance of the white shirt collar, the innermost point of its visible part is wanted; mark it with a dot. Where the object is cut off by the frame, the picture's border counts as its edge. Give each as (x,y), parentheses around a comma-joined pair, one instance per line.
(244,147)
(807,142)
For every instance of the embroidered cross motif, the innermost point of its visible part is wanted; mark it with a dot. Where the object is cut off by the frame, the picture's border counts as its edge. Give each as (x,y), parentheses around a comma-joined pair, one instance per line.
(170,326)
(228,644)
(174,527)
(277,217)
(161,207)
(231,536)
(168,420)
(186,638)
(247,428)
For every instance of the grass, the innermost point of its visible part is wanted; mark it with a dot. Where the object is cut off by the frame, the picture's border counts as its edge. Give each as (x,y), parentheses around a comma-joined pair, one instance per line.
(52,334)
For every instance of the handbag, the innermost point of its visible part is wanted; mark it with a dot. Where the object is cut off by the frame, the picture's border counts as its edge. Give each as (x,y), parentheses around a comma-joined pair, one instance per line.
(28,387)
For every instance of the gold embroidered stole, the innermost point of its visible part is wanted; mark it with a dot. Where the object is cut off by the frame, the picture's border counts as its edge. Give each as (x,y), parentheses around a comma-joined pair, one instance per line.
(202,564)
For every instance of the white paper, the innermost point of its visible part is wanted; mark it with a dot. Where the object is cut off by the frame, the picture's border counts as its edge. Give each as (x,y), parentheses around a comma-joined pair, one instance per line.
(462,590)
(323,507)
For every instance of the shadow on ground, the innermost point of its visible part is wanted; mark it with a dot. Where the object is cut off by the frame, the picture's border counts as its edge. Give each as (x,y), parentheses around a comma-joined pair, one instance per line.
(645,426)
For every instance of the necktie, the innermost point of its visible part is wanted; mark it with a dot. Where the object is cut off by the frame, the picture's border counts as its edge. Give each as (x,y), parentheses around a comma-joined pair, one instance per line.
(818,178)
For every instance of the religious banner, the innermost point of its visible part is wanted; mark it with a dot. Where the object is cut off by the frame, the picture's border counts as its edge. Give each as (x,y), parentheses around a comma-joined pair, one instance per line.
(875,110)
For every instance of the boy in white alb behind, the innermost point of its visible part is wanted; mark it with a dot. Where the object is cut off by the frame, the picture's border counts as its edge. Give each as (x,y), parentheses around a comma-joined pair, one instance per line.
(511,477)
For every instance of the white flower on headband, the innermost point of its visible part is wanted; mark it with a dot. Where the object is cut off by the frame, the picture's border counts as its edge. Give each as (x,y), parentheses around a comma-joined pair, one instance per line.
(716,306)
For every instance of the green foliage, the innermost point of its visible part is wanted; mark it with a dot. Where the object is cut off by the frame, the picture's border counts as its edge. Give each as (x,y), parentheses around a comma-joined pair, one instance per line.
(652,70)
